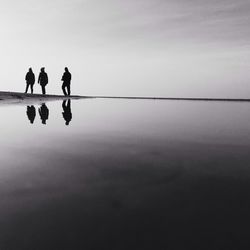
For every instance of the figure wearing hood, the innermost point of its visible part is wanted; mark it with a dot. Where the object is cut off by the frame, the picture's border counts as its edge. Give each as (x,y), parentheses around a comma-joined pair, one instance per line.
(43,80)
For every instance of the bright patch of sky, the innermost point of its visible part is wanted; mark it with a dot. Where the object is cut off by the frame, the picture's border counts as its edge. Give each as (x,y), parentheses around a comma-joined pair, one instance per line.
(132,47)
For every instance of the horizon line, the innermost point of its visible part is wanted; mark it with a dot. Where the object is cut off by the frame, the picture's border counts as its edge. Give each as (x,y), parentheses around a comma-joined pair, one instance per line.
(174,98)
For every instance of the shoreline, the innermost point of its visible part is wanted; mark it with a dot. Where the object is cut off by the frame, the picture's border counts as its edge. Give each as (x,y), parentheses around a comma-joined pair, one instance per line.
(9,97)
(174,98)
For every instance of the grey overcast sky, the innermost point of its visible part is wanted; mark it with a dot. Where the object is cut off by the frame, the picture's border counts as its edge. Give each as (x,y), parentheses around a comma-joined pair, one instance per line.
(132,47)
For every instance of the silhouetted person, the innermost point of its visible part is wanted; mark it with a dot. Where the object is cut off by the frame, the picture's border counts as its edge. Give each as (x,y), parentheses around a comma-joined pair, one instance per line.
(67,115)
(44,113)
(43,80)
(66,78)
(31,113)
(30,80)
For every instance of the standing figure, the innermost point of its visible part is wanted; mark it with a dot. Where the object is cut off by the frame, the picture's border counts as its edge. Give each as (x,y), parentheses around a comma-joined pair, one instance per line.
(44,113)
(66,78)
(30,80)
(31,113)
(43,80)
(67,115)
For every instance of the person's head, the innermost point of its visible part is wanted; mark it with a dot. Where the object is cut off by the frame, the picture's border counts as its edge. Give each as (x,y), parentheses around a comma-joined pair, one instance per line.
(66,69)
(30,69)
(42,69)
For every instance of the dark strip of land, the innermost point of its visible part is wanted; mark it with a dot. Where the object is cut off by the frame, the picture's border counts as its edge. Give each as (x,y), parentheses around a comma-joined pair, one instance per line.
(17,97)
(175,98)
(22,98)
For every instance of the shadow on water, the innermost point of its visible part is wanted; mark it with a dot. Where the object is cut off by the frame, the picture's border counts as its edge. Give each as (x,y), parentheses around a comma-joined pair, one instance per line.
(44,112)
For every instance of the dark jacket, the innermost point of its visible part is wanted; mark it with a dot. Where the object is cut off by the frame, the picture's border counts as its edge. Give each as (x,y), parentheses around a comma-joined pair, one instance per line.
(66,78)
(43,78)
(30,78)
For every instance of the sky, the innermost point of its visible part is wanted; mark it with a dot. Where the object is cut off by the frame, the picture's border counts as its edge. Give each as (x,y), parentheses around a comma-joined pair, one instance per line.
(170,48)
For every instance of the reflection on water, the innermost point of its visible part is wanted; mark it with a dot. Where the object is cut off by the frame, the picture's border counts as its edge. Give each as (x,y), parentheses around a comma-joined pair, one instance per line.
(31,113)
(67,115)
(126,174)
(44,112)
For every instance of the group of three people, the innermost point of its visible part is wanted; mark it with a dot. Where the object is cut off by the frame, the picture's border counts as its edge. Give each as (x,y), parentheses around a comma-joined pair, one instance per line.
(43,81)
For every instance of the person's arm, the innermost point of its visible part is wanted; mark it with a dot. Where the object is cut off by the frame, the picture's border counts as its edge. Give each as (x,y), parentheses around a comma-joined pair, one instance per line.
(39,78)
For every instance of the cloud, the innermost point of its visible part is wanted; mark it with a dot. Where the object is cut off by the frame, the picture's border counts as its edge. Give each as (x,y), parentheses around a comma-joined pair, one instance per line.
(142,22)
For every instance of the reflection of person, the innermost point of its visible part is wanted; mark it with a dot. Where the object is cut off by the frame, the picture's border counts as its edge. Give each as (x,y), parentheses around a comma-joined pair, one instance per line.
(66,78)
(67,115)
(44,113)
(43,80)
(31,113)
(30,80)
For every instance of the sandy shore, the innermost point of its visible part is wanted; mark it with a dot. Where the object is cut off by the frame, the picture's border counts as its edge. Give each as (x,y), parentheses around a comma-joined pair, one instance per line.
(22,98)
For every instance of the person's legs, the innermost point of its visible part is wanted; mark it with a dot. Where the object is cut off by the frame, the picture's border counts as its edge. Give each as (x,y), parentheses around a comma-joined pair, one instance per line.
(31,87)
(43,89)
(68,88)
(27,87)
(63,89)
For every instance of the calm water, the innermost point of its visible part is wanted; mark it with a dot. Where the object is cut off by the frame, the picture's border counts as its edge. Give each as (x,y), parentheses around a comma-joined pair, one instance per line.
(125,174)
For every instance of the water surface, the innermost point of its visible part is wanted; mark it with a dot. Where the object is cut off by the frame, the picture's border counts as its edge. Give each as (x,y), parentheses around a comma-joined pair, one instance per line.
(125,174)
